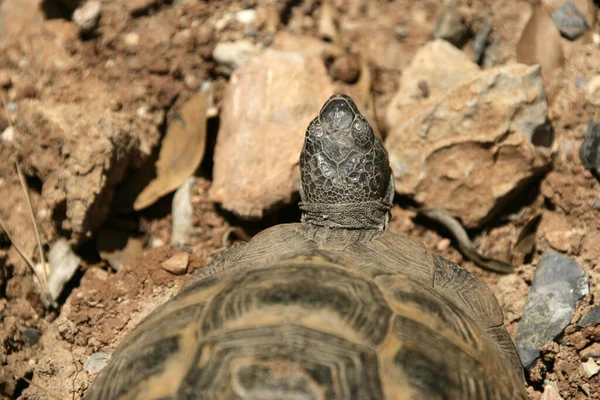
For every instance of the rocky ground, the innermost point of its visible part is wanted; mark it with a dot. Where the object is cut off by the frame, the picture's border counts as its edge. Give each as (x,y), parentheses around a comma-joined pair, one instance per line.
(108,107)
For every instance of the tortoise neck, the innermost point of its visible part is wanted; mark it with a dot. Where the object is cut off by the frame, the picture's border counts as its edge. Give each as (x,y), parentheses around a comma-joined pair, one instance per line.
(364,215)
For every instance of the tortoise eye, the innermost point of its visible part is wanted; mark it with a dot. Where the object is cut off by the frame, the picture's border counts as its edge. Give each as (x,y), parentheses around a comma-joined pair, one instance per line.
(317,130)
(359,126)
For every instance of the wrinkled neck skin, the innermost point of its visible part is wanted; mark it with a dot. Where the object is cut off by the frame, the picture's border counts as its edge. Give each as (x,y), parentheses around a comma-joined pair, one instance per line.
(372,215)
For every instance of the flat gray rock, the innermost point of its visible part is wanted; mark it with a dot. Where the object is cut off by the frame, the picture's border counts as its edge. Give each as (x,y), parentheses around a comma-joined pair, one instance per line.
(589,152)
(591,318)
(570,21)
(558,283)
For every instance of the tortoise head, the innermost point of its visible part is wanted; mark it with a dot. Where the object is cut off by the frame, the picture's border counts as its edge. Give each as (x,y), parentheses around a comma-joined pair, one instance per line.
(346,180)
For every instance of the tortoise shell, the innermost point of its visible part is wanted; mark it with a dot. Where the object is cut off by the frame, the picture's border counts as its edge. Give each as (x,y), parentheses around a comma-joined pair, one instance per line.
(335,307)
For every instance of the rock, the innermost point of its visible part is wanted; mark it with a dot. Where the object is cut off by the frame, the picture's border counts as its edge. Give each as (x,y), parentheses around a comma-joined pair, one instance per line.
(590,368)
(443,244)
(79,177)
(31,336)
(251,175)
(586,7)
(469,148)
(440,66)
(557,231)
(138,7)
(177,264)
(87,16)
(8,135)
(510,293)
(191,82)
(480,42)
(131,39)
(235,54)
(450,25)
(64,264)
(589,152)
(96,362)
(382,50)
(558,283)
(591,351)
(5,79)
(345,69)
(591,318)
(307,45)
(569,21)
(593,91)
(246,17)
(182,212)
(550,393)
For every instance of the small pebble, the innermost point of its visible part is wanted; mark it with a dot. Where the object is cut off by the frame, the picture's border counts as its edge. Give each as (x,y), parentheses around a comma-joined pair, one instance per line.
(401,31)
(593,91)
(159,66)
(480,42)
(597,204)
(581,83)
(30,336)
(569,21)
(246,17)
(443,244)
(591,351)
(592,317)
(550,393)
(345,69)
(191,82)
(25,91)
(87,16)
(182,211)
(131,39)
(235,54)
(137,7)
(586,388)
(589,152)
(177,264)
(590,368)
(450,25)
(182,37)
(8,135)
(96,362)
(596,38)
(5,79)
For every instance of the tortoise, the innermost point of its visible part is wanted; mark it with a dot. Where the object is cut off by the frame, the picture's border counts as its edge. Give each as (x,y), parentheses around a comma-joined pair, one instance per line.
(334,307)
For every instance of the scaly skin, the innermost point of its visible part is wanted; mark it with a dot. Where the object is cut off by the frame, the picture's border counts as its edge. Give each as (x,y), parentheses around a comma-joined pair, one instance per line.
(344,165)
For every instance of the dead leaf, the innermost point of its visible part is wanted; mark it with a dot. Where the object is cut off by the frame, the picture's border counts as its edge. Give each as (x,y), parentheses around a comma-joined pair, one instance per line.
(541,43)
(526,240)
(181,153)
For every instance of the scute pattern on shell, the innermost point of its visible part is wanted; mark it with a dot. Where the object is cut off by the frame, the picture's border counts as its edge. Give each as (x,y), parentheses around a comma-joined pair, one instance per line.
(304,312)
